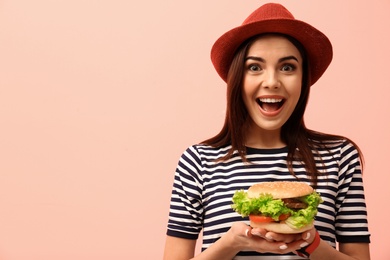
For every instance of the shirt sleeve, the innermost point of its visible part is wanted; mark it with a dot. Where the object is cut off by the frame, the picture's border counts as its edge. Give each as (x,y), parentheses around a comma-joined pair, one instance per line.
(351,218)
(186,209)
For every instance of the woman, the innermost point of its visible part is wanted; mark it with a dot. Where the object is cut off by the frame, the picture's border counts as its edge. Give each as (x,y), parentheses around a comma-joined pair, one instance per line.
(269,64)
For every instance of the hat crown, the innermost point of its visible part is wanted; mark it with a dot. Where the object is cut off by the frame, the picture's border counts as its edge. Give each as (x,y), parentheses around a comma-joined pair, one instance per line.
(268,12)
(274,18)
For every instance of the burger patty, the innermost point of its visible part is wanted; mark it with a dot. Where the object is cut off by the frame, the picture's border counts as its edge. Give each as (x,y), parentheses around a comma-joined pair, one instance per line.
(294,203)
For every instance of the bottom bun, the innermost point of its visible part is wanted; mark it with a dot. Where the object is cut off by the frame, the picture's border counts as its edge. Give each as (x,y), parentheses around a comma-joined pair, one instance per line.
(282,228)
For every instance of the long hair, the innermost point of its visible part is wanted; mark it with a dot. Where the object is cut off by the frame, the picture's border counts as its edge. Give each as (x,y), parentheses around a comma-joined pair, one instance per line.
(302,143)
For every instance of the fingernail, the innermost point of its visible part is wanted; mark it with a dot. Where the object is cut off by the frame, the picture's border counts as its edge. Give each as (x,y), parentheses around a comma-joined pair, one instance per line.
(256,233)
(282,247)
(268,236)
(307,236)
(304,244)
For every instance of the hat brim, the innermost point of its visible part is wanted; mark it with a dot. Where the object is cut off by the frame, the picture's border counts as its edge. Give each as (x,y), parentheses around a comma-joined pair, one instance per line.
(317,46)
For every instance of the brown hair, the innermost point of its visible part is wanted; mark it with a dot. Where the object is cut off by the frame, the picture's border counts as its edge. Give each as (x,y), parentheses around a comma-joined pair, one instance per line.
(302,142)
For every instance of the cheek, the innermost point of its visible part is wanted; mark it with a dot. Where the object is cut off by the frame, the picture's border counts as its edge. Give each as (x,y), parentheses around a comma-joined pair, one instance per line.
(297,92)
(247,94)
(246,90)
(295,88)
(248,86)
(245,97)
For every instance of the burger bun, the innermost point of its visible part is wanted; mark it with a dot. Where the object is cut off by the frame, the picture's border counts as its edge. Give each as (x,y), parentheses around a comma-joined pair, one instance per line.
(280,189)
(281,228)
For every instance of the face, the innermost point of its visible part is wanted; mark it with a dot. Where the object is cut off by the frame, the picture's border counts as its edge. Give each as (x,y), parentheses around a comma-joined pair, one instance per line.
(272,83)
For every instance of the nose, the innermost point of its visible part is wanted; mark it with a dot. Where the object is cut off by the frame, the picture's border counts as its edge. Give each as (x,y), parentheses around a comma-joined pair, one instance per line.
(271,80)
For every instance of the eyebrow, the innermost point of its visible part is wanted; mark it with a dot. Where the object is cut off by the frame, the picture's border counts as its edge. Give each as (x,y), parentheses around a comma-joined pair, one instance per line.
(263,60)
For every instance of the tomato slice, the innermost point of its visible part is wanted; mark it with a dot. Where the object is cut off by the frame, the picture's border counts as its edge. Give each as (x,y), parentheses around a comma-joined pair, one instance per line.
(284,216)
(265,219)
(260,219)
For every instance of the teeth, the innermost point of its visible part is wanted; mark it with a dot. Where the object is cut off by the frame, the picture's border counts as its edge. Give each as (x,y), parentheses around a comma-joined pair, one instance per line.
(270,100)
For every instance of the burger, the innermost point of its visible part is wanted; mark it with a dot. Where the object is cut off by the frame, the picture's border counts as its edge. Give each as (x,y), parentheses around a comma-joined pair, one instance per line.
(285,207)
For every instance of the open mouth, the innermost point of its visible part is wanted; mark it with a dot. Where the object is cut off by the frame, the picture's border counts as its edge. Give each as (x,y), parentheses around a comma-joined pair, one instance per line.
(270,104)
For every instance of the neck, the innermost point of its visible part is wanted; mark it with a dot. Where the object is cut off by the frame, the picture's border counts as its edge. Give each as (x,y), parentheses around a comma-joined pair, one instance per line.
(256,137)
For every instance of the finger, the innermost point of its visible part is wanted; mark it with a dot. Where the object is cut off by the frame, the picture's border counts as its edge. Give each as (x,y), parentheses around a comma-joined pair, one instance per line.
(309,235)
(283,247)
(248,232)
(286,238)
(262,245)
(298,244)
(306,236)
(258,232)
(269,237)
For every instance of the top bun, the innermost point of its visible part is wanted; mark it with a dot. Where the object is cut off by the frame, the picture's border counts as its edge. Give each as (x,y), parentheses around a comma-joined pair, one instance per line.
(280,189)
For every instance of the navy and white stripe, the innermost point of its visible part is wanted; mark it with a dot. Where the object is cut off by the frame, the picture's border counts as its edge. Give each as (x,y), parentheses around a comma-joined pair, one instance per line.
(203,188)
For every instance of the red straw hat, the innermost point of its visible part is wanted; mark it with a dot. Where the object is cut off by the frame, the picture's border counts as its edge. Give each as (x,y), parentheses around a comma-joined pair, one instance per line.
(274,18)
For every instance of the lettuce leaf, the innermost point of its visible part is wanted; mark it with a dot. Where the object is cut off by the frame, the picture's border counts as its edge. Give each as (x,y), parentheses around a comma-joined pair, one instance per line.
(313,199)
(305,216)
(302,217)
(266,205)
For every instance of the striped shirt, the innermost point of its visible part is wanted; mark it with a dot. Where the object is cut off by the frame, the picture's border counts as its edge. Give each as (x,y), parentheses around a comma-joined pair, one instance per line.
(203,189)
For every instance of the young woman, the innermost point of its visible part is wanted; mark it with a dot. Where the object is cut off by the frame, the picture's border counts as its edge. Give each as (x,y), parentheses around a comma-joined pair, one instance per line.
(269,63)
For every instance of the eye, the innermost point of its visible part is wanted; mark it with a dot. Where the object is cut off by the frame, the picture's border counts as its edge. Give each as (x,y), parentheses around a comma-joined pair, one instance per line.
(254,68)
(288,67)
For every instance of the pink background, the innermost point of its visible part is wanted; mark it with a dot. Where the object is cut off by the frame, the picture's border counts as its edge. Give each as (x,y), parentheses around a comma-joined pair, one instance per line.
(98,99)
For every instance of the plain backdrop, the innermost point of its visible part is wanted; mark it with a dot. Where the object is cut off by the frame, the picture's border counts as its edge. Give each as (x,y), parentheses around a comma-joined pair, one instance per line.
(98,99)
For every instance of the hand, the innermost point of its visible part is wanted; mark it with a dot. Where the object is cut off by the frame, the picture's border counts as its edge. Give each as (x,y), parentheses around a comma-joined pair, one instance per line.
(260,240)
(292,241)
(307,236)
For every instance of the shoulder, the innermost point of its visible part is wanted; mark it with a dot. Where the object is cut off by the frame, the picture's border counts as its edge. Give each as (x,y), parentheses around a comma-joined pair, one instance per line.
(330,142)
(207,152)
(196,157)
(335,147)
